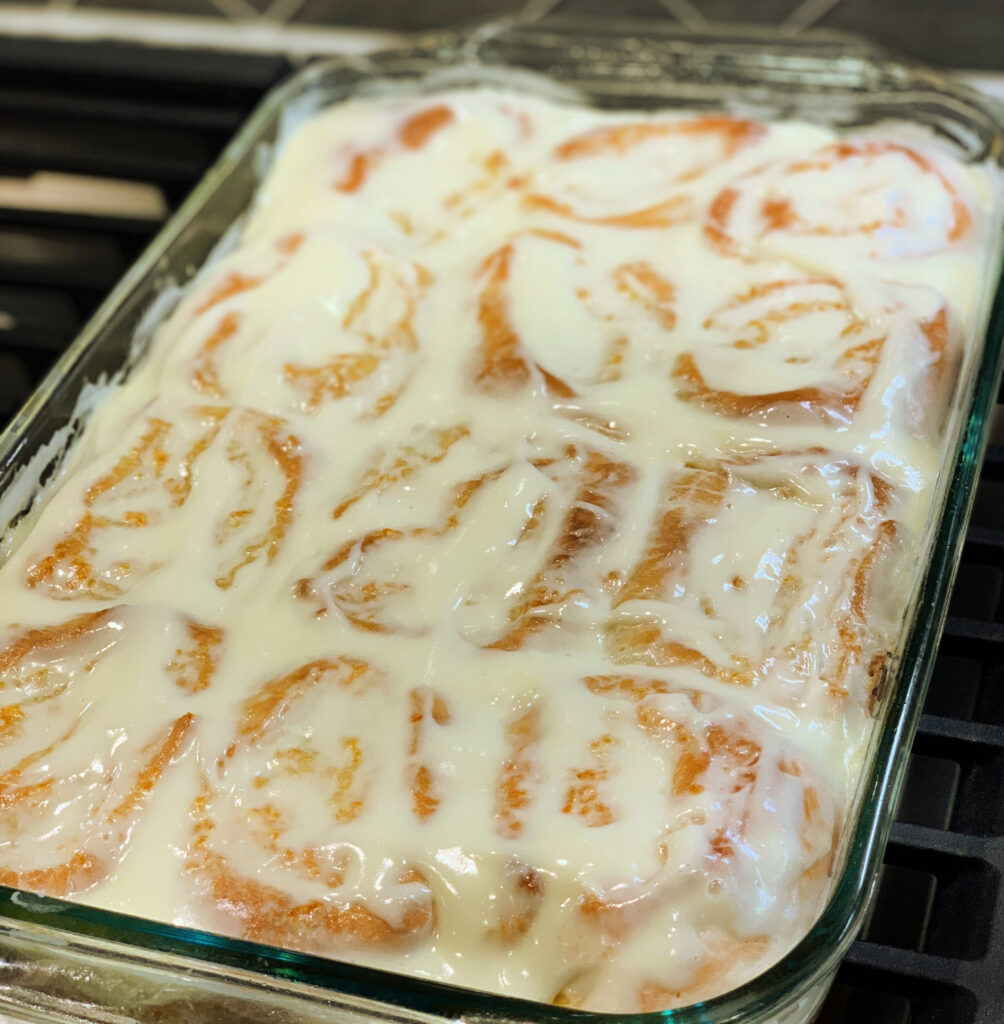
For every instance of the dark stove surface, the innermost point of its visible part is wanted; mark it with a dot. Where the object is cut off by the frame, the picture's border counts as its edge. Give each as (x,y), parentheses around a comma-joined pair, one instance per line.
(933,949)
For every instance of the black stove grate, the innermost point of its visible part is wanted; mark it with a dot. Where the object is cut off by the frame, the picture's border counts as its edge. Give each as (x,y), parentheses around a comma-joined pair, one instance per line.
(932,951)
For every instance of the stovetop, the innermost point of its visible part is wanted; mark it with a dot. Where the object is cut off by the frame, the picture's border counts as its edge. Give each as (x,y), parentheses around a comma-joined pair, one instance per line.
(932,951)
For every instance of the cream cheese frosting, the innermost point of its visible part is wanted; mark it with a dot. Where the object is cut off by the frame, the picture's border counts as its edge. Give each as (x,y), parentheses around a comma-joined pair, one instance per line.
(492,568)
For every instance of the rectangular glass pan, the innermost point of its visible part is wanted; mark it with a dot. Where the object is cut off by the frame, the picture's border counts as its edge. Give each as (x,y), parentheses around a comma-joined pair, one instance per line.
(61,961)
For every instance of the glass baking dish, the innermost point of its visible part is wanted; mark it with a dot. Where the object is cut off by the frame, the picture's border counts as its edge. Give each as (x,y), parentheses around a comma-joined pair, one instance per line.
(61,961)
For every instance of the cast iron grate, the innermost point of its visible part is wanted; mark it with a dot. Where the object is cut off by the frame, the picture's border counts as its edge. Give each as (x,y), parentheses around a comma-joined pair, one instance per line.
(932,951)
